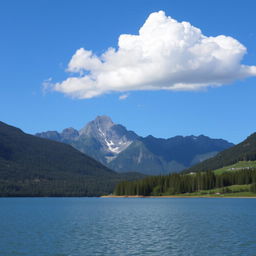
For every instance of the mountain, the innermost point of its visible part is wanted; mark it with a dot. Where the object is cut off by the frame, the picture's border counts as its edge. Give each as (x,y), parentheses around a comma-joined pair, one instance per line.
(33,166)
(244,151)
(109,139)
(124,151)
(101,138)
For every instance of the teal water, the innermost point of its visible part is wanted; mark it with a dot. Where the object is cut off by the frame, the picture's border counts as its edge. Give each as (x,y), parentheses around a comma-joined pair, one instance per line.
(127,226)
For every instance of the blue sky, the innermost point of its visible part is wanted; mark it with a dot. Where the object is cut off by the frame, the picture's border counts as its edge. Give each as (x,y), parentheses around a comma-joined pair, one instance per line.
(39,38)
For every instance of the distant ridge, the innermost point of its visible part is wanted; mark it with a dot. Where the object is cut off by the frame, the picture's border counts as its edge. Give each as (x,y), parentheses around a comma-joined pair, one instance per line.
(124,151)
(244,151)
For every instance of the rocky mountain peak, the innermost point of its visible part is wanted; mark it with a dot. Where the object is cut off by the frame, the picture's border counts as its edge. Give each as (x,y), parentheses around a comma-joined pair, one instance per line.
(100,125)
(69,134)
(113,138)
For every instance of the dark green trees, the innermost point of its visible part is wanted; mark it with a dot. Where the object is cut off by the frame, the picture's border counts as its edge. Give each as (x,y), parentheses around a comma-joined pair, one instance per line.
(253,188)
(186,183)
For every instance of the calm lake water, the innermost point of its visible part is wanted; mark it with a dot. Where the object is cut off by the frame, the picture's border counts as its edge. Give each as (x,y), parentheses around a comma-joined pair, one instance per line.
(127,226)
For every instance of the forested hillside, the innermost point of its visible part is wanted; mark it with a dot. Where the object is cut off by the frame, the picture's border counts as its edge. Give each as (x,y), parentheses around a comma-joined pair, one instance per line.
(31,166)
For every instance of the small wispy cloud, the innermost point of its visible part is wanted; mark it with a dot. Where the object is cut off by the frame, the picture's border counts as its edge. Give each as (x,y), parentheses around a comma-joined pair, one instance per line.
(123,96)
(164,55)
(47,85)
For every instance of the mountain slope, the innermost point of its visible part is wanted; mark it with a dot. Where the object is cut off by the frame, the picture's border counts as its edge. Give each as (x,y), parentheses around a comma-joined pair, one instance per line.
(139,158)
(185,149)
(122,150)
(244,151)
(33,166)
(151,155)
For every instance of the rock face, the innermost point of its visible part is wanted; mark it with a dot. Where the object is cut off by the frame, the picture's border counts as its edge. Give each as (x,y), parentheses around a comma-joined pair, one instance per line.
(112,138)
(101,138)
(124,151)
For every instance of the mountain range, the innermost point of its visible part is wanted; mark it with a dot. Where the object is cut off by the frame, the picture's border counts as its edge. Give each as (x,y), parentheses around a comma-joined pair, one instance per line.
(32,166)
(125,151)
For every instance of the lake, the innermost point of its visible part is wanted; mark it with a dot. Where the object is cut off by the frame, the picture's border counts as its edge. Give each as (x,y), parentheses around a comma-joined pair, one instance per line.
(127,226)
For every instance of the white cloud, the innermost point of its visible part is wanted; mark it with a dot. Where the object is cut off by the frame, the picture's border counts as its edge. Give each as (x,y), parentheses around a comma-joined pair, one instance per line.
(123,96)
(165,55)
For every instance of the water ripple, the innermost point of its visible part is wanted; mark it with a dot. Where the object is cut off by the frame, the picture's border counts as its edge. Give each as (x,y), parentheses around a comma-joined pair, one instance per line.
(109,227)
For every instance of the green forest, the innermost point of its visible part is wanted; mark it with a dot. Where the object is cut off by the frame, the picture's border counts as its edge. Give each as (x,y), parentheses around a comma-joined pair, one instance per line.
(182,183)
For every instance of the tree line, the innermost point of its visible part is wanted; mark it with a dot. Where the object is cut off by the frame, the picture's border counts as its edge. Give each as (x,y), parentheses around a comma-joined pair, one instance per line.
(179,183)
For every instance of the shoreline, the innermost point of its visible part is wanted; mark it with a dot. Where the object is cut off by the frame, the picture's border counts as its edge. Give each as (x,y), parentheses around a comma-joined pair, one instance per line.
(196,196)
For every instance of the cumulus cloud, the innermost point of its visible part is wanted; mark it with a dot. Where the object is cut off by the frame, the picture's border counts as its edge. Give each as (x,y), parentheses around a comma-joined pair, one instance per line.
(165,55)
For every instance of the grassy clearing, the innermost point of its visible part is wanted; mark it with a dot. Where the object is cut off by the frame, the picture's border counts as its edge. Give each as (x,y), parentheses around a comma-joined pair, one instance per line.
(237,166)
(229,191)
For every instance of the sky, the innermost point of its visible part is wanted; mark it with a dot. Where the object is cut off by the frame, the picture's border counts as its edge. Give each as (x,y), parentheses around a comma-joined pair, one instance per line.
(163,68)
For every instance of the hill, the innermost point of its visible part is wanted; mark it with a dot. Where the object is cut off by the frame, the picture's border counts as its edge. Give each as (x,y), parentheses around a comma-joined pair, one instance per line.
(31,166)
(244,151)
